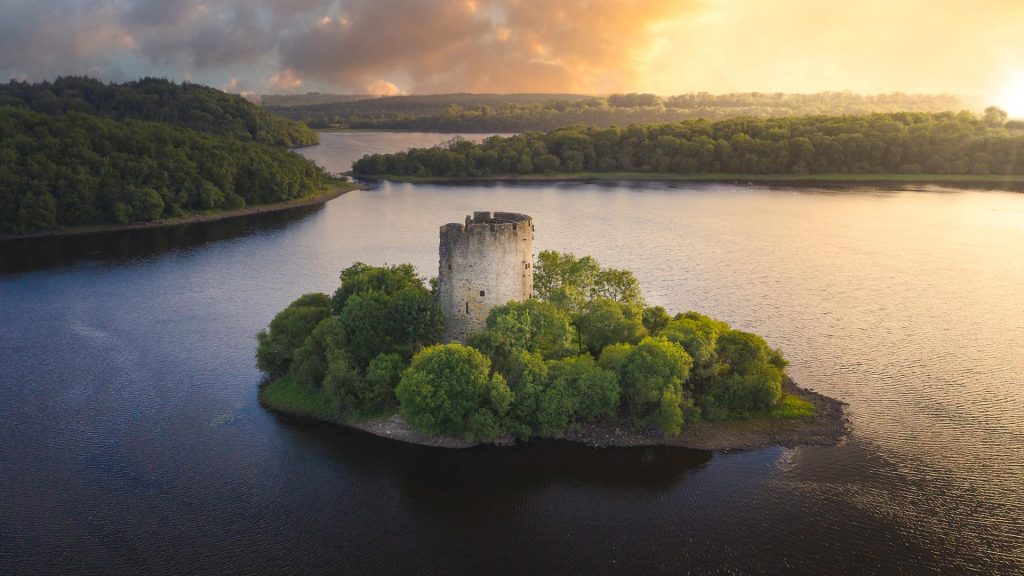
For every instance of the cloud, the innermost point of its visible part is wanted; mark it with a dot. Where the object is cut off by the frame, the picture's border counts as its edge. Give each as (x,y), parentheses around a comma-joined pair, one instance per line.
(383,88)
(594,46)
(39,39)
(455,45)
(285,81)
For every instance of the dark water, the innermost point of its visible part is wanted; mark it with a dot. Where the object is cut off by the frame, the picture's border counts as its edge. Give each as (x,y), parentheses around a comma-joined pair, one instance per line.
(131,440)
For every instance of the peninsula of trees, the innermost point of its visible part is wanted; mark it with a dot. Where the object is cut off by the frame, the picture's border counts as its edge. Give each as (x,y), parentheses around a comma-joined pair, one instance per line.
(522,112)
(77,152)
(943,143)
(585,351)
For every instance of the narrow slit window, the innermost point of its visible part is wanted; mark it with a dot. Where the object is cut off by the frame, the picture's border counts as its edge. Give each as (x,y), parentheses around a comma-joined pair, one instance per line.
(467,306)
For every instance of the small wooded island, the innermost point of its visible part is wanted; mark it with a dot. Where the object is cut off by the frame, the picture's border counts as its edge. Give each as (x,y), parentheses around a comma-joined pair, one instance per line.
(501,348)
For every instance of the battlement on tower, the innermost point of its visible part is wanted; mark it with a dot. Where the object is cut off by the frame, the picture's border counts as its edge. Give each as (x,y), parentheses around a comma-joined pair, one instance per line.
(489,222)
(484,262)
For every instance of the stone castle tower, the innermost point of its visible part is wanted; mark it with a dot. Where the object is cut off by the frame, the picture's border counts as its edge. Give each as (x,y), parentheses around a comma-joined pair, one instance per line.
(484,263)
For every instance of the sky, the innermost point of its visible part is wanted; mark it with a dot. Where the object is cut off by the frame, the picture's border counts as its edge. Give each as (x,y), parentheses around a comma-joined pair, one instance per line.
(965,47)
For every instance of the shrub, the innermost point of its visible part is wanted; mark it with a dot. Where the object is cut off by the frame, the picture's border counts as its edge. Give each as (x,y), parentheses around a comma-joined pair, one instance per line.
(655,319)
(605,321)
(531,326)
(527,376)
(651,375)
(275,347)
(361,278)
(750,376)
(310,362)
(594,390)
(446,390)
(698,335)
(376,323)
(342,381)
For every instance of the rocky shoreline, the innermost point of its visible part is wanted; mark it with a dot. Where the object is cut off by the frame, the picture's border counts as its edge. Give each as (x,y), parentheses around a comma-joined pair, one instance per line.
(828,427)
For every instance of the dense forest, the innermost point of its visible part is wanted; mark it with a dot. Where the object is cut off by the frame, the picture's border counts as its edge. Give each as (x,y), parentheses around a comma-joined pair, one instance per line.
(586,349)
(893,143)
(76,169)
(521,112)
(155,99)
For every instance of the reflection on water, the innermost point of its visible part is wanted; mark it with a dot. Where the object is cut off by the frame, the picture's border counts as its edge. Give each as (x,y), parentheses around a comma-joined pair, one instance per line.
(130,431)
(439,472)
(37,253)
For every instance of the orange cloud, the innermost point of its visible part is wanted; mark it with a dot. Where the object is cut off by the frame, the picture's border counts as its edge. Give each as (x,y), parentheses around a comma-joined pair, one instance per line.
(285,81)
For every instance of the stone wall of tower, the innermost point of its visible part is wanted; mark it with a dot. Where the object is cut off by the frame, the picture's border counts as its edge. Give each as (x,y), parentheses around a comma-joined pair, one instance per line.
(485,262)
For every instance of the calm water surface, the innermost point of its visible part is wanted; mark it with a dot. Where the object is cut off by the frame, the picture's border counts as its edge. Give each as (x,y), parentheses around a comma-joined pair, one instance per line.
(131,440)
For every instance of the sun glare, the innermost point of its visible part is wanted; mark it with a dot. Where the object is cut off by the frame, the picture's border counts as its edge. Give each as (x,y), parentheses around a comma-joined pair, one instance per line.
(1012,97)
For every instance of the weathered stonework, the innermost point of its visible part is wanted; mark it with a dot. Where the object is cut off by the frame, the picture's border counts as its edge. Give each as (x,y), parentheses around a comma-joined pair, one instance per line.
(486,262)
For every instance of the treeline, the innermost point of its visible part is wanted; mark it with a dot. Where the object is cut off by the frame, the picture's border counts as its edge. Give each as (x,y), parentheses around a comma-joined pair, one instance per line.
(908,143)
(522,112)
(75,169)
(155,99)
(585,350)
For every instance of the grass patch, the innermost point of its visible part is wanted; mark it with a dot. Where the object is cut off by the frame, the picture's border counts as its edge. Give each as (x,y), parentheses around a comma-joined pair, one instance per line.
(791,406)
(287,397)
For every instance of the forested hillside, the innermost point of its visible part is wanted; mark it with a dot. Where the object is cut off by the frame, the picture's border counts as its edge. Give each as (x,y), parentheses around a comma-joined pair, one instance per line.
(190,105)
(75,169)
(521,112)
(907,143)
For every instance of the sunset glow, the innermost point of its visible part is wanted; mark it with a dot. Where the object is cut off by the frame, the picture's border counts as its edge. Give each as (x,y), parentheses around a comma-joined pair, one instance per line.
(592,46)
(1011,98)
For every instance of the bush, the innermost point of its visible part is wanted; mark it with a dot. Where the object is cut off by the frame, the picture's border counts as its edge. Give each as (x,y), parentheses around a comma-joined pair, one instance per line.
(446,390)
(698,335)
(593,390)
(605,321)
(343,382)
(288,330)
(651,375)
(361,278)
(310,363)
(531,326)
(376,323)
(527,375)
(363,394)
(655,319)
(750,379)
(569,282)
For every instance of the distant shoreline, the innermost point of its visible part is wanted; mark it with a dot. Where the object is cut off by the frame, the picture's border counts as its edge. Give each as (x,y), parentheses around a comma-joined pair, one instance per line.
(808,179)
(827,427)
(321,197)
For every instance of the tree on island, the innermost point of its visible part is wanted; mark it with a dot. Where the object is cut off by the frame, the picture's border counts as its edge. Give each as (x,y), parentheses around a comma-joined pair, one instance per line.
(583,352)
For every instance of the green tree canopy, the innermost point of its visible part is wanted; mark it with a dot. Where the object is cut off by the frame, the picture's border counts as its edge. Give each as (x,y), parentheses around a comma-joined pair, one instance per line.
(604,321)
(698,334)
(652,375)
(288,330)
(447,389)
(532,326)
(750,378)
(75,169)
(569,282)
(360,278)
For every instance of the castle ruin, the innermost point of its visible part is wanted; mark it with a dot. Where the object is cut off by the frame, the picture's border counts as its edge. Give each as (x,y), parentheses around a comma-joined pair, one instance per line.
(486,262)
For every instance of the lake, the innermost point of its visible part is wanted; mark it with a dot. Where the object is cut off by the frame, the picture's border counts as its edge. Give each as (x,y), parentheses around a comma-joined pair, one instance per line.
(131,440)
